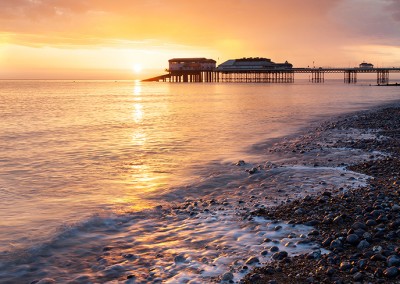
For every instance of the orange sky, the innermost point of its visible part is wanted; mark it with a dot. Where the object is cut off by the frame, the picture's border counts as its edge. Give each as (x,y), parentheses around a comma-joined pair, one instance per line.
(104,39)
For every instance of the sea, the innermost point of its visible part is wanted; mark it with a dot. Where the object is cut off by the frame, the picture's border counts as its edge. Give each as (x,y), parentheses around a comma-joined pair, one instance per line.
(100,180)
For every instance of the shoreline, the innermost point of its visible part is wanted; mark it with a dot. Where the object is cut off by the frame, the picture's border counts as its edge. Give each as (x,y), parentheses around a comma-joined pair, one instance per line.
(220,235)
(359,227)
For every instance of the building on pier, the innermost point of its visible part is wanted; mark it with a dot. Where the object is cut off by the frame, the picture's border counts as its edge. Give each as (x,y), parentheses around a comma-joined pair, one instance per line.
(191,69)
(191,64)
(255,70)
(253,64)
(366,65)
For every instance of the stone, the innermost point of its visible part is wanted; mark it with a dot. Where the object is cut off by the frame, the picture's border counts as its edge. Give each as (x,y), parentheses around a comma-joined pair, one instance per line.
(363,245)
(393,260)
(252,260)
(344,266)
(228,276)
(358,276)
(280,255)
(300,211)
(391,272)
(352,239)
(336,244)
(274,249)
(179,258)
(359,225)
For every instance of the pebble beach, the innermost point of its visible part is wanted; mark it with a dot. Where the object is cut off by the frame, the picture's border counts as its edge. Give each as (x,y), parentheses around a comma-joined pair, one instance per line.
(358,228)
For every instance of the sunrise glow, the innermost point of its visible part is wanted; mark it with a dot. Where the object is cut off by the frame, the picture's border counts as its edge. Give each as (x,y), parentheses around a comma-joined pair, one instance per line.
(98,39)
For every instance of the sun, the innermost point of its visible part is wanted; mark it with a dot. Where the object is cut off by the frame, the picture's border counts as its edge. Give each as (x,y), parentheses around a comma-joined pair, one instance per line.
(137,68)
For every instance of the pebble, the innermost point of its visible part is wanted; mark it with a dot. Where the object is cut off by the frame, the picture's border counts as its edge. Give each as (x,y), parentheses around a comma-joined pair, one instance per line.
(391,272)
(280,255)
(274,249)
(228,276)
(252,260)
(179,259)
(352,239)
(393,260)
(363,245)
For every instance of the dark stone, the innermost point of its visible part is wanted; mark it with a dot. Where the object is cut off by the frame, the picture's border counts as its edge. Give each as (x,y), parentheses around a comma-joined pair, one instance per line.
(359,225)
(280,255)
(336,244)
(363,245)
(252,260)
(352,239)
(393,260)
(330,271)
(274,249)
(313,233)
(358,276)
(327,242)
(391,272)
(344,266)
(378,257)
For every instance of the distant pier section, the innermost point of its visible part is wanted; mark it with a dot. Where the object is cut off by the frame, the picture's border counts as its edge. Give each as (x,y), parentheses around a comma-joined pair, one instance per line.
(259,70)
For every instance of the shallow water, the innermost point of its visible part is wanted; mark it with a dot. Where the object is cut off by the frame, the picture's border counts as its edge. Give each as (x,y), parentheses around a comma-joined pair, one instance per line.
(76,155)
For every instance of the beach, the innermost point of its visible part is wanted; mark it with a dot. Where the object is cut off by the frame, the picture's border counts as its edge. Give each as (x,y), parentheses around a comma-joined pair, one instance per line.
(359,228)
(257,193)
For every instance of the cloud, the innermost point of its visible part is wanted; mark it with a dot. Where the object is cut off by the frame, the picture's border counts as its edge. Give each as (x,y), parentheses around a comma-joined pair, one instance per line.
(394,8)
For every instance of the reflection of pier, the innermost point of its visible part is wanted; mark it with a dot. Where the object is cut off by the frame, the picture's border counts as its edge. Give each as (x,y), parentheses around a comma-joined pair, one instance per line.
(259,70)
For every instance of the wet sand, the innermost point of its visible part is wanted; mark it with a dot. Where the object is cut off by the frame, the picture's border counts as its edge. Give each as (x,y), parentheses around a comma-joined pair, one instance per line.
(359,228)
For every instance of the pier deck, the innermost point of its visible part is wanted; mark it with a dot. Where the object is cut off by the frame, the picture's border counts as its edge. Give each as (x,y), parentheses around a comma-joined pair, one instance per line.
(284,75)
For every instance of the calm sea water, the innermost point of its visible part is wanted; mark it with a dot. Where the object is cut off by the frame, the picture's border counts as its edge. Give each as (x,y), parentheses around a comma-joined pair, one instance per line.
(73,150)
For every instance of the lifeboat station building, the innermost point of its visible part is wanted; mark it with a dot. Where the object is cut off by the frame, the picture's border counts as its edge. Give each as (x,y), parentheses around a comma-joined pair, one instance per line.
(192,69)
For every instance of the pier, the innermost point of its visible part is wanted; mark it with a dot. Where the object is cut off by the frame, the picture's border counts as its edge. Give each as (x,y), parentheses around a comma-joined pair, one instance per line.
(260,70)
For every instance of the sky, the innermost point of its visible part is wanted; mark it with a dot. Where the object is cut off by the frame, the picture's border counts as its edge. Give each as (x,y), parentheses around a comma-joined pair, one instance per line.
(133,39)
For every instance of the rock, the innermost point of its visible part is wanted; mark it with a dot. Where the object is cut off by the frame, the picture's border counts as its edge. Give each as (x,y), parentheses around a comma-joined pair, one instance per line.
(280,255)
(352,239)
(345,266)
(378,257)
(358,276)
(359,225)
(391,272)
(129,256)
(393,260)
(330,271)
(338,220)
(313,233)
(371,223)
(228,276)
(179,258)
(327,242)
(363,245)
(252,260)
(253,171)
(336,244)
(396,207)
(274,249)
(240,163)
